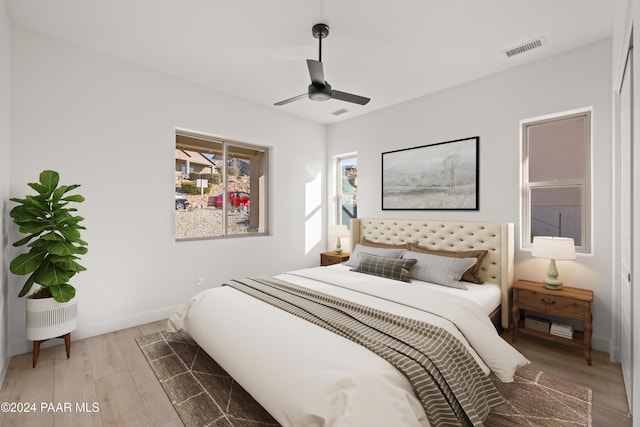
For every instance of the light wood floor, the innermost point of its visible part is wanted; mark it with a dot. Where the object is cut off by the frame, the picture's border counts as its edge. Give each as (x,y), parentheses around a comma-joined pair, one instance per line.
(110,371)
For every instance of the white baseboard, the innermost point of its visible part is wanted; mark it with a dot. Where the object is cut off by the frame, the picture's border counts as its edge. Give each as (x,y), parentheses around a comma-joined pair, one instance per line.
(602,344)
(3,371)
(92,330)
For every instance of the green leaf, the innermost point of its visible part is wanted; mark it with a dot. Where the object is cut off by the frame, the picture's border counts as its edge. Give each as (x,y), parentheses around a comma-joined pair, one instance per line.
(62,293)
(34,227)
(49,179)
(70,234)
(62,247)
(39,245)
(17,200)
(26,263)
(38,187)
(50,274)
(51,236)
(25,240)
(67,263)
(27,286)
(58,193)
(40,206)
(70,223)
(74,198)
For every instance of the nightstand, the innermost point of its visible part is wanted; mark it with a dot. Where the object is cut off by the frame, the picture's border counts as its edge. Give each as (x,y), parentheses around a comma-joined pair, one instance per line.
(566,302)
(330,258)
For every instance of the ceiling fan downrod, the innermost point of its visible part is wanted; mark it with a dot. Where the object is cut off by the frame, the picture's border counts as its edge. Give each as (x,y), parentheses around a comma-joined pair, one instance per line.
(320,31)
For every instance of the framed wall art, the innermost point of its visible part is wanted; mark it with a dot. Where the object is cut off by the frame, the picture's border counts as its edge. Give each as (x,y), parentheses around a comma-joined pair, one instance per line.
(429,177)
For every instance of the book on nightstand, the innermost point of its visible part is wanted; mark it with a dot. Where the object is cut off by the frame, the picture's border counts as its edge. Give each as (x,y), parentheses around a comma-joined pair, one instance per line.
(561,330)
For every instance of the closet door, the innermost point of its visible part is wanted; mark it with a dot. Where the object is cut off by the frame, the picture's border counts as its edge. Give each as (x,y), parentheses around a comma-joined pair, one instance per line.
(626,227)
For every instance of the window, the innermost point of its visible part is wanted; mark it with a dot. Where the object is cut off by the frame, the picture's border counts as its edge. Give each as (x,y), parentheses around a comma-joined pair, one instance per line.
(224,192)
(556,178)
(347,189)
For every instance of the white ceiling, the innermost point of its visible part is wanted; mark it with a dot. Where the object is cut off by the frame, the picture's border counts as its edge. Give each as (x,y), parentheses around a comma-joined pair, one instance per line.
(390,51)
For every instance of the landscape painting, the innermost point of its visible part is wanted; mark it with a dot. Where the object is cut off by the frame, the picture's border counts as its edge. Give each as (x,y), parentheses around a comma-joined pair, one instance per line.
(437,176)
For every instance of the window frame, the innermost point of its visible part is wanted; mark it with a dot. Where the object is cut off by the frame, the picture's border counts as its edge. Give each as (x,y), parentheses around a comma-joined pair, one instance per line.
(585,185)
(263,190)
(339,186)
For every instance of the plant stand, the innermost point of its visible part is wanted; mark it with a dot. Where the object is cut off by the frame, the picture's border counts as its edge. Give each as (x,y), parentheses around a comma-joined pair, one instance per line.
(36,346)
(48,319)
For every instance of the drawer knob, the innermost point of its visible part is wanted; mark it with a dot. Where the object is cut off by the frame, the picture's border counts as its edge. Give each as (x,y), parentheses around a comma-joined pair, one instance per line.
(545,302)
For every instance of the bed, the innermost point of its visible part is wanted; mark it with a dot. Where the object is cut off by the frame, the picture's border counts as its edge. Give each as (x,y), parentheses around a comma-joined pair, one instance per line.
(305,374)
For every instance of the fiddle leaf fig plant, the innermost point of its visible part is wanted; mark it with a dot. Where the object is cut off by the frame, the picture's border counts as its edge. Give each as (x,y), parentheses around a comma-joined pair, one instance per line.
(53,238)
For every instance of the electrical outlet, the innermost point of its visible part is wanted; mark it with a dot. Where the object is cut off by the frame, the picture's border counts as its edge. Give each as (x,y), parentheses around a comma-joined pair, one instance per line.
(200,281)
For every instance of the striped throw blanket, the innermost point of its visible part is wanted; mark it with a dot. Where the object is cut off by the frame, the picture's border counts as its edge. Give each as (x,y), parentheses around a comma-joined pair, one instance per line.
(451,386)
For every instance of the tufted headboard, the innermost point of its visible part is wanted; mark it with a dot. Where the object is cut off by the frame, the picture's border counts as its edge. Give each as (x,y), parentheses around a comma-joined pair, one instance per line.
(497,238)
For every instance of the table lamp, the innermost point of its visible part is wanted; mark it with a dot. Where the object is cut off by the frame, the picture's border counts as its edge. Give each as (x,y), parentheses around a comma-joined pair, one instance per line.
(338,231)
(553,248)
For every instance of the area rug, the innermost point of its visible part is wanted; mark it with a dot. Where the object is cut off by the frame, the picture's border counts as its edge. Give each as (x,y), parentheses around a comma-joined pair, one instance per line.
(536,398)
(204,395)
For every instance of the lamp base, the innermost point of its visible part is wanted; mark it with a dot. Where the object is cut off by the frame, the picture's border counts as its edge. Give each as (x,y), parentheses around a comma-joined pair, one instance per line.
(552,283)
(338,248)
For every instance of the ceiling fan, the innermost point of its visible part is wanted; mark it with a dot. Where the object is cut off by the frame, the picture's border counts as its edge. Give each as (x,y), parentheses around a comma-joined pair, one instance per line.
(320,89)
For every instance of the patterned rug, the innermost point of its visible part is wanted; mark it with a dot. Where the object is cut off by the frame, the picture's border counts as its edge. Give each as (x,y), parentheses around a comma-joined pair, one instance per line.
(539,399)
(203,394)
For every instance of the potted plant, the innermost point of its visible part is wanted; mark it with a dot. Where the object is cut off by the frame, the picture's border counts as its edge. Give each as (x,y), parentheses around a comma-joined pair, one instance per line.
(53,238)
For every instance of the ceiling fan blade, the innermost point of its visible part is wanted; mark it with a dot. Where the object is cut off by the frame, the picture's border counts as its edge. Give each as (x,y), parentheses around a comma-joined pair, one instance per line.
(349,97)
(316,72)
(295,98)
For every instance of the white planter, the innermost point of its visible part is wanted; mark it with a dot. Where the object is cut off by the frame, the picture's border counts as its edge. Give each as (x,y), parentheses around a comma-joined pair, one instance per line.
(47,318)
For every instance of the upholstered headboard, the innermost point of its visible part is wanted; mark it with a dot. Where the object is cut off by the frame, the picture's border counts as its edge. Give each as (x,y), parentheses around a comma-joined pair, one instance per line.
(497,238)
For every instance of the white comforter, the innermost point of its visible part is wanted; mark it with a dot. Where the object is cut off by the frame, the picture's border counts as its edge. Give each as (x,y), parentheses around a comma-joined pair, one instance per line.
(305,375)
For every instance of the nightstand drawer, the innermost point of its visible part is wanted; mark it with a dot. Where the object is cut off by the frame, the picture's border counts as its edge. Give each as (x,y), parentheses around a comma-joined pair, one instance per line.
(552,304)
(330,258)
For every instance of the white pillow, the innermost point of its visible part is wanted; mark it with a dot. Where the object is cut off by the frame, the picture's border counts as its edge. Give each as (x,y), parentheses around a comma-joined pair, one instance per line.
(353,260)
(442,270)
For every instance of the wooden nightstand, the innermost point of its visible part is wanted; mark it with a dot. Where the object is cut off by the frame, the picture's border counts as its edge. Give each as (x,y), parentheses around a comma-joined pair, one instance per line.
(567,302)
(330,258)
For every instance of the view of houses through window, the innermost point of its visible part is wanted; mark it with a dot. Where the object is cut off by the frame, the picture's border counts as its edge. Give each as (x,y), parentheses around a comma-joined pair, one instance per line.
(347,189)
(220,187)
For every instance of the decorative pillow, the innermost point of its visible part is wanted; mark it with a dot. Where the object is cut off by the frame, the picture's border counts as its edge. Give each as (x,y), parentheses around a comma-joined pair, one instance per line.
(472,274)
(373,244)
(442,270)
(385,252)
(390,268)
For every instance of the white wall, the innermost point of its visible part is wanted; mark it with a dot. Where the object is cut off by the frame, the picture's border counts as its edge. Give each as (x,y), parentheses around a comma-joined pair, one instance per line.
(5,134)
(493,108)
(109,126)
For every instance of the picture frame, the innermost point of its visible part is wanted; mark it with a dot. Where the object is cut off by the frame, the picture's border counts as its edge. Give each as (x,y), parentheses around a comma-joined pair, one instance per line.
(440,176)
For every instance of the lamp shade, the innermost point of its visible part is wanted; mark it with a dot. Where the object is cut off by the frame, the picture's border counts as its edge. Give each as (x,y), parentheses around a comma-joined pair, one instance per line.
(338,231)
(557,248)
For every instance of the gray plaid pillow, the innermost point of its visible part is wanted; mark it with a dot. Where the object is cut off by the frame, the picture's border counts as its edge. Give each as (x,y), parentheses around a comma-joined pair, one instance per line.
(354,259)
(390,268)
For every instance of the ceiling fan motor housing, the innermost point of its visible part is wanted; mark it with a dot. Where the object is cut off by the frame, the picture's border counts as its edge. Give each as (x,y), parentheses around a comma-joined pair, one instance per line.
(320,93)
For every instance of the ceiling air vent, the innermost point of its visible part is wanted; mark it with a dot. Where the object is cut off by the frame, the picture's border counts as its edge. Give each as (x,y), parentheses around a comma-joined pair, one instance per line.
(340,111)
(533,44)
